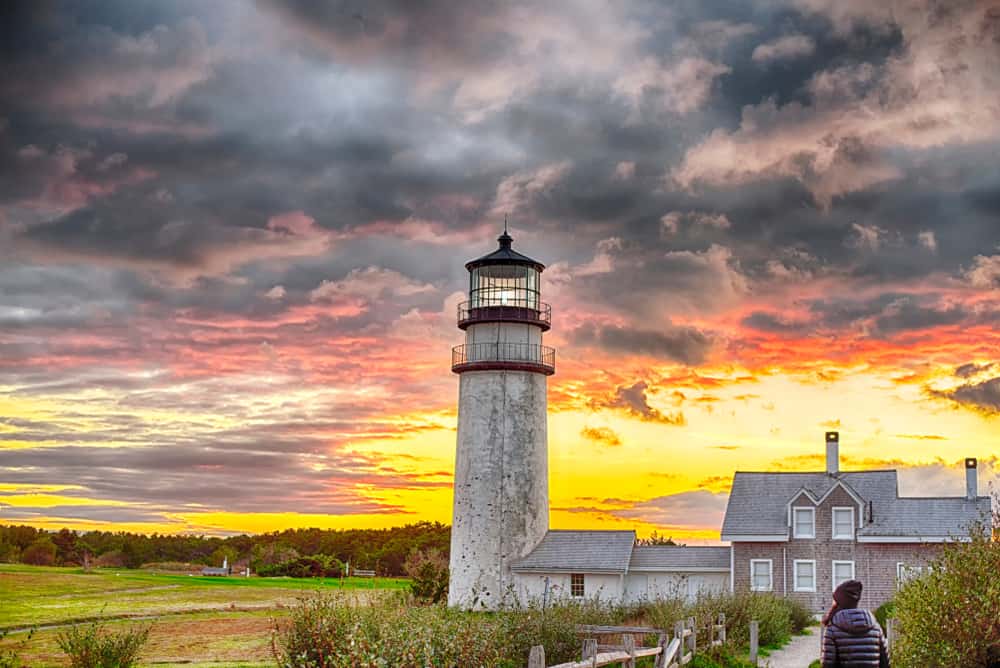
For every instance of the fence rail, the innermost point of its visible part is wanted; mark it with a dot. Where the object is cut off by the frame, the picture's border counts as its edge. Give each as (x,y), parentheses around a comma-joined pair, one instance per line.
(678,651)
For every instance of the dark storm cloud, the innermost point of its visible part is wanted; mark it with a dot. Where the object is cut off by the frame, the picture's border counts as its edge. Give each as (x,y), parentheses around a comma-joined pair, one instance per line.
(983,396)
(395,30)
(205,476)
(771,322)
(633,399)
(92,513)
(971,369)
(687,345)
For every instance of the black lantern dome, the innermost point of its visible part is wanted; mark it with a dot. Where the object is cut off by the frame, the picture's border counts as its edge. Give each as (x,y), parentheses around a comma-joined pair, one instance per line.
(505,255)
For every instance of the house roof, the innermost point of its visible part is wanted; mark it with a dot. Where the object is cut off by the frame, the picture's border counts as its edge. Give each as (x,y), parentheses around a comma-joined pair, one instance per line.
(758,505)
(580,552)
(677,558)
(942,517)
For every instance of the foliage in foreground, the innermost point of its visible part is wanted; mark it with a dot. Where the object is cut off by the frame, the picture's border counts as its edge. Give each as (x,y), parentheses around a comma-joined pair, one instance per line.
(95,646)
(950,616)
(10,656)
(428,572)
(331,631)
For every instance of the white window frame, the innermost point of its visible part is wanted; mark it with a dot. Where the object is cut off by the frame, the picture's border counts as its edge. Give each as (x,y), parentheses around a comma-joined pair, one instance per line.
(583,585)
(833,523)
(795,574)
(770,574)
(833,572)
(902,578)
(795,523)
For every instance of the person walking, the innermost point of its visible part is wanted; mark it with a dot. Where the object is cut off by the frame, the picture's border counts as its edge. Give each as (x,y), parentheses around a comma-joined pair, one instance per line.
(852,638)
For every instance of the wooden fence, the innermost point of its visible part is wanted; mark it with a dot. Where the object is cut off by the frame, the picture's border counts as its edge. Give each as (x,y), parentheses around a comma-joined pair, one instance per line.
(677,651)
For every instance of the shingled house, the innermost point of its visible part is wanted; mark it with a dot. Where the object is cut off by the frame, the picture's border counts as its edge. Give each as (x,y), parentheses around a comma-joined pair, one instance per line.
(609,566)
(802,534)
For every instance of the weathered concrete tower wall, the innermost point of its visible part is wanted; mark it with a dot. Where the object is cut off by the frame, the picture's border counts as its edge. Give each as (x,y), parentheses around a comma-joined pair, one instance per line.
(501,505)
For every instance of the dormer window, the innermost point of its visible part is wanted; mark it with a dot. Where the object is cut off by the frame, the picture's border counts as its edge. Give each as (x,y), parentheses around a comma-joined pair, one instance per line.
(803,522)
(843,523)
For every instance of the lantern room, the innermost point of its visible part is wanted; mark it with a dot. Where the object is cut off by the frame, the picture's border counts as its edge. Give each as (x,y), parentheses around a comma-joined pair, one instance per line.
(504,286)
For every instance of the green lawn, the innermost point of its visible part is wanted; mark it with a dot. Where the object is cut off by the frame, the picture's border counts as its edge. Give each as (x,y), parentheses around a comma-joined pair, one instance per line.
(212,621)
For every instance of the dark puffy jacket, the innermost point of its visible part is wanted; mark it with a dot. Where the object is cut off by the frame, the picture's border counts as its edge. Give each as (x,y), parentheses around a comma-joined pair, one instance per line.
(854,640)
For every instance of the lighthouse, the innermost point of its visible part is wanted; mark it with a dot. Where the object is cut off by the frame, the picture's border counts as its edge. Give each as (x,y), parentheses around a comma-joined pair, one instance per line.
(501,506)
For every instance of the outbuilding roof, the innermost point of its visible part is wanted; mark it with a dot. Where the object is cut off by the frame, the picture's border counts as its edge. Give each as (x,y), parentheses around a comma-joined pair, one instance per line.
(580,552)
(678,558)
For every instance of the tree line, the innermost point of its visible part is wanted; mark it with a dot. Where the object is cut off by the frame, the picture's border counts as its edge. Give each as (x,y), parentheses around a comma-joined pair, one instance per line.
(383,550)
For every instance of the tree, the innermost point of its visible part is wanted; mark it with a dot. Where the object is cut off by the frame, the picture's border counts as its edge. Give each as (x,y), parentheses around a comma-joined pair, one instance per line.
(8,552)
(655,539)
(271,554)
(223,554)
(42,552)
(67,552)
(428,571)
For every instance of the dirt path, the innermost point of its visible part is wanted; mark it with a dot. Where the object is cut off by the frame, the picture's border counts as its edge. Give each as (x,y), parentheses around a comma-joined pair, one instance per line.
(799,653)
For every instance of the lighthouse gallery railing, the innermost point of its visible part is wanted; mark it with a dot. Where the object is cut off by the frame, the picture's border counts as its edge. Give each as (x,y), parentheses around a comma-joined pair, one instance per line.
(527,354)
(513,310)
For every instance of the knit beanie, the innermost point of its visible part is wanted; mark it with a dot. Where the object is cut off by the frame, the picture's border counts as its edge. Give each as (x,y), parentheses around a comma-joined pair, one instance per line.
(847,595)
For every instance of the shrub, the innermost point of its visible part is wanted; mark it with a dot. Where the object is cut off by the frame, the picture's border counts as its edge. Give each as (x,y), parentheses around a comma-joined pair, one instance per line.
(801,616)
(428,572)
(331,631)
(334,631)
(10,656)
(884,613)
(95,646)
(318,566)
(948,616)
(773,614)
(173,566)
(111,559)
(42,552)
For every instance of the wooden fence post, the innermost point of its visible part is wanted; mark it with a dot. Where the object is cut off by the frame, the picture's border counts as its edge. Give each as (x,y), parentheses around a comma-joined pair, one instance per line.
(590,650)
(629,641)
(537,657)
(693,638)
(722,627)
(754,637)
(663,640)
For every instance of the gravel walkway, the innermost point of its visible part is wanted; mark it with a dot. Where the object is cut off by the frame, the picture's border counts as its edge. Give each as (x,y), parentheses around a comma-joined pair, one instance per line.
(799,653)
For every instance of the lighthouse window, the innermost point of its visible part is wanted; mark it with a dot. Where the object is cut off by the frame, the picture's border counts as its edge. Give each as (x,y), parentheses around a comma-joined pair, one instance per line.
(504,285)
(576,585)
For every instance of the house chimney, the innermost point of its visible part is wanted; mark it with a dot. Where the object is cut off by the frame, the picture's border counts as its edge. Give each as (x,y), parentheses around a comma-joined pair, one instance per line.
(832,452)
(971,479)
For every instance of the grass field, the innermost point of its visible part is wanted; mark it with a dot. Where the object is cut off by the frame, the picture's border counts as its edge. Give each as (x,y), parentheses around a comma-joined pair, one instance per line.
(197,621)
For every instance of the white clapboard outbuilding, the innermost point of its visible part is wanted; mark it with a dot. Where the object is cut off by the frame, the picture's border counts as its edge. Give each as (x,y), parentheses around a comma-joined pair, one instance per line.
(609,566)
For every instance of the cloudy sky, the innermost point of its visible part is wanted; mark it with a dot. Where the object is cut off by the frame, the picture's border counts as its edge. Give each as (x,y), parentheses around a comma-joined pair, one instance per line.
(232,238)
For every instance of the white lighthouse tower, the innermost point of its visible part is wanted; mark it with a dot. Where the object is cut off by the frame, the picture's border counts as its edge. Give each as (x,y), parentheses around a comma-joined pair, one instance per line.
(501,508)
